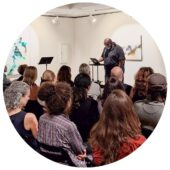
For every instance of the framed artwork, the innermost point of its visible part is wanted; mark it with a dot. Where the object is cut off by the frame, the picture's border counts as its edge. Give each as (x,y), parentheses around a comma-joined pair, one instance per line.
(133,51)
(131,38)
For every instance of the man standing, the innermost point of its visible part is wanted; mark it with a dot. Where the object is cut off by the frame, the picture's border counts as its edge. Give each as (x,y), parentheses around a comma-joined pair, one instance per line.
(113,55)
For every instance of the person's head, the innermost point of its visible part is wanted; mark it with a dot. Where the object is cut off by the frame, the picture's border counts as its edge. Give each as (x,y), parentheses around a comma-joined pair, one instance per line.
(157,87)
(84,68)
(16,95)
(108,43)
(117,72)
(57,97)
(5,69)
(21,69)
(141,80)
(117,122)
(82,84)
(111,84)
(30,75)
(82,80)
(48,76)
(64,74)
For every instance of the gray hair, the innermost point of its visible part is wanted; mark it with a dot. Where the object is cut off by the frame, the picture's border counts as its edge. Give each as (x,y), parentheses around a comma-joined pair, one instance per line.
(13,94)
(84,68)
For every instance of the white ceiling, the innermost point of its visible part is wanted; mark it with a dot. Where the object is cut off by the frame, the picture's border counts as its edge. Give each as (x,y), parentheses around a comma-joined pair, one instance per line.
(77,10)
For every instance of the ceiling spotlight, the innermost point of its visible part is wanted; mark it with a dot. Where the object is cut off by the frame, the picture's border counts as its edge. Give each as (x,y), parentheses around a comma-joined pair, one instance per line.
(55,20)
(92,19)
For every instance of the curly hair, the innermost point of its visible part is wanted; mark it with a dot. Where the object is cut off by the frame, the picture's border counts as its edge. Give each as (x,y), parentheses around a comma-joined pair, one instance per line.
(117,122)
(13,94)
(56,97)
(140,87)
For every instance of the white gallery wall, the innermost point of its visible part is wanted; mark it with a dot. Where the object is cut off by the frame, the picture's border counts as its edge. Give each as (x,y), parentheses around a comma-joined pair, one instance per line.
(74,41)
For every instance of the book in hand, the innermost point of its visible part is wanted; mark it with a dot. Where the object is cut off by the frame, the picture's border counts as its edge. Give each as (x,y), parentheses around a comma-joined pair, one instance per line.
(95,61)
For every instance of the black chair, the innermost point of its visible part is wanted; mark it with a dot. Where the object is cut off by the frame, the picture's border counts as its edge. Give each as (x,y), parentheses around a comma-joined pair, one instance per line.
(56,154)
(34,107)
(146,132)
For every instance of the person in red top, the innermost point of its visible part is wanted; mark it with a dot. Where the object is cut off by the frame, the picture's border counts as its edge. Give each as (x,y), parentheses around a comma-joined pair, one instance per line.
(118,132)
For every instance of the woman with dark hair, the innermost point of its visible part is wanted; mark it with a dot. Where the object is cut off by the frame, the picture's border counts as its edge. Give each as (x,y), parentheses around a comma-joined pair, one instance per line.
(21,70)
(64,75)
(95,89)
(150,109)
(84,112)
(117,133)
(139,90)
(55,128)
(16,97)
(111,84)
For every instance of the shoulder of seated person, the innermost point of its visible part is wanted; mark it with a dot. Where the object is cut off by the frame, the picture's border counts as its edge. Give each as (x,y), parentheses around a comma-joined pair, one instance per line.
(139,102)
(30,115)
(91,99)
(127,85)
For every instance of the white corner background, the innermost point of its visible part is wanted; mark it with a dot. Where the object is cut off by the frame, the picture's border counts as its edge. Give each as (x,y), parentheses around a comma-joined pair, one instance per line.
(15,15)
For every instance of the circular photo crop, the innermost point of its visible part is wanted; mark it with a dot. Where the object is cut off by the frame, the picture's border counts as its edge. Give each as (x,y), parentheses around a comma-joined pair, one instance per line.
(84,85)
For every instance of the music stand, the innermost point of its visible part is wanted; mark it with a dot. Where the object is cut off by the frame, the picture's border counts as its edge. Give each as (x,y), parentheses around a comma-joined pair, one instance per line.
(95,63)
(46,60)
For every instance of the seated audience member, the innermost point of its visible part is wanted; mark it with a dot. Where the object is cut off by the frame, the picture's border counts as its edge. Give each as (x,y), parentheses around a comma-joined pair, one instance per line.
(26,124)
(21,70)
(6,81)
(138,92)
(55,128)
(64,75)
(84,110)
(150,109)
(118,73)
(48,76)
(117,133)
(111,84)
(29,77)
(94,90)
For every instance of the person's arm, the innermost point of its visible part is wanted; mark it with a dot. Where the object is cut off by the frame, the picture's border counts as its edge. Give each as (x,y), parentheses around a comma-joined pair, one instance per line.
(121,55)
(75,141)
(31,123)
(121,63)
(102,56)
(100,59)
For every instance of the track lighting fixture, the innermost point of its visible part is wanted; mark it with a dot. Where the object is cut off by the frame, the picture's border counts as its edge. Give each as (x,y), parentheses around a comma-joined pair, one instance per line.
(55,20)
(92,19)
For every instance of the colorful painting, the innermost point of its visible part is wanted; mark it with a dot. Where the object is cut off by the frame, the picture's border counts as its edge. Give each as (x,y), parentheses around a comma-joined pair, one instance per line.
(18,53)
(134,52)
